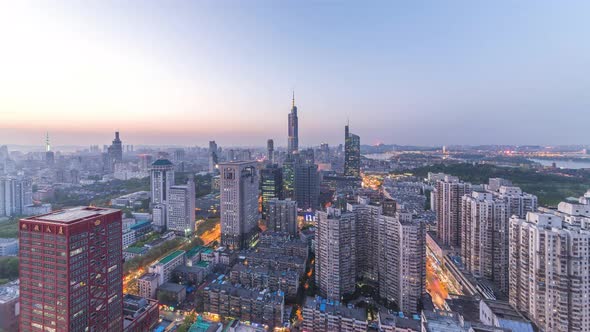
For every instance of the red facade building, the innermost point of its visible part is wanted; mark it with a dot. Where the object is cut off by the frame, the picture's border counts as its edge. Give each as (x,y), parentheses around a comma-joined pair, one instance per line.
(71,271)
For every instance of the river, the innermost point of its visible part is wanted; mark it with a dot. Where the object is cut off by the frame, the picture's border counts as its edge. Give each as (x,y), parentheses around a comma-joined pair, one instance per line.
(571,164)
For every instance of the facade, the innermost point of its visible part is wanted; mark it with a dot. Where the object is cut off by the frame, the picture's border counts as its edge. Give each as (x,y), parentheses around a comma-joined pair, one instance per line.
(282,216)
(307,186)
(352,154)
(484,237)
(180,208)
(15,195)
(324,315)
(447,197)
(293,140)
(8,247)
(367,244)
(128,238)
(549,270)
(71,271)
(335,260)
(148,285)
(271,185)
(238,203)
(213,158)
(166,265)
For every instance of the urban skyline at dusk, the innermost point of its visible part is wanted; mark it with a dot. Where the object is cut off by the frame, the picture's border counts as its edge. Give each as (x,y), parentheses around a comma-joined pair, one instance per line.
(402,73)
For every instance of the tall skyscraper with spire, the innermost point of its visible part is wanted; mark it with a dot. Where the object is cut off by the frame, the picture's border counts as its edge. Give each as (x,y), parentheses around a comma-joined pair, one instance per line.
(293,144)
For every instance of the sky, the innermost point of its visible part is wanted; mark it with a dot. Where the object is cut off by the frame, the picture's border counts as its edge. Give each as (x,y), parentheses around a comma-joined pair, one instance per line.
(402,72)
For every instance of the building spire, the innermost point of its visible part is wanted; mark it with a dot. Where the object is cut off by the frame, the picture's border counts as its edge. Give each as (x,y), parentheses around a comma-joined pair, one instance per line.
(47,145)
(293,97)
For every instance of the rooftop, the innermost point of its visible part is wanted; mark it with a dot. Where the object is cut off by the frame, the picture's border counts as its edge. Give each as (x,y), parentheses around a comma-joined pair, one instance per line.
(140,224)
(136,250)
(149,276)
(162,162)
(73,214)
(172,256)
(335,308)
(171,287)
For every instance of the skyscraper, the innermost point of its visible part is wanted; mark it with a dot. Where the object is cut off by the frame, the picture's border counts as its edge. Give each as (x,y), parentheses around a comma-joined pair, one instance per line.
(271,185)
(549,268)
(293,143)
(270,147)
(162,178)
(238,203)
(335,261)
(71,273)
(307,186)
(213,158)
(447,196)
(282,216)
(352,154)
(180,208)
(115,151)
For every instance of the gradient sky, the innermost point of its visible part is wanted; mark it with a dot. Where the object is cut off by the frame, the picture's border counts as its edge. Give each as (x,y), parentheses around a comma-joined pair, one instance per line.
(185,72)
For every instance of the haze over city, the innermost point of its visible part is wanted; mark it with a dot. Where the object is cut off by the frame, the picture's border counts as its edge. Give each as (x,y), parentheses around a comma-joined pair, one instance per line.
(186,72)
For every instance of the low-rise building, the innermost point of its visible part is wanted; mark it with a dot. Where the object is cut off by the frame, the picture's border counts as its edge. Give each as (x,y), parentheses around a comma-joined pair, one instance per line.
(226,300)
(9,307)
(139,314)
(194,274)
(171,294)
(132,252)
(324,315)
(396,322)
(166,265)
(148,285)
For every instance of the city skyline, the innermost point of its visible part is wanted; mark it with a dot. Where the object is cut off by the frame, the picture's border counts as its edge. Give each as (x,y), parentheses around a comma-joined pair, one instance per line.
(402,73)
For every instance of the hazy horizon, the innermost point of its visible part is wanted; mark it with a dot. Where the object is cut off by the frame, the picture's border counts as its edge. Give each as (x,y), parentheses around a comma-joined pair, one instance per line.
(182,72)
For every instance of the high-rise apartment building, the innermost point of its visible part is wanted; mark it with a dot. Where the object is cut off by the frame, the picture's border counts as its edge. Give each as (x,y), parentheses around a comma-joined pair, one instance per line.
(335,250)
(367,222)
(71,271)
(550,269)
(293,140)
(15,194)
(352,153)
(401,252)
(307,186)
(238,203)
(180,208)
(271,185)
(282,216)
(161,179)
(484,237)
(447,196)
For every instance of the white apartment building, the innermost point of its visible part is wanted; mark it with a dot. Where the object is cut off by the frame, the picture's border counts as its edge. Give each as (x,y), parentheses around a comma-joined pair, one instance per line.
(550,269)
